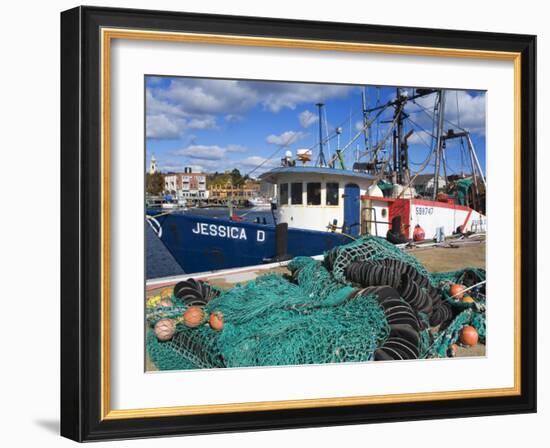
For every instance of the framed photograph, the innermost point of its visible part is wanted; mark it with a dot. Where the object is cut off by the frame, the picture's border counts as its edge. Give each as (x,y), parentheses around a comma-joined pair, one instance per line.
(276,224)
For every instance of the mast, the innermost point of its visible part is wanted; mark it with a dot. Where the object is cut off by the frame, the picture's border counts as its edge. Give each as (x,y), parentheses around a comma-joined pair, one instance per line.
(439,141)
(396,138)
(322,161)
(400,145)
(400,138)
(474,161)
(474,157)
(365,118)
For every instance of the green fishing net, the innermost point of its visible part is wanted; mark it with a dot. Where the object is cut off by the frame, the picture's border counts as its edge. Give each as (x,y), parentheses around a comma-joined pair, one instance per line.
(311,316)
(468,276)
(368,248)
(440,342)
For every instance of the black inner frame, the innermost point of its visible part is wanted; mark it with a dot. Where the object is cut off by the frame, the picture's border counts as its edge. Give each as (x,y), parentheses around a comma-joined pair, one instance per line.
(81,221)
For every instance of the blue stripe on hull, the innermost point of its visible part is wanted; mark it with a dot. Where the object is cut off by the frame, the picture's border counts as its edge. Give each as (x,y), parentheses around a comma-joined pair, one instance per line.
(205,244)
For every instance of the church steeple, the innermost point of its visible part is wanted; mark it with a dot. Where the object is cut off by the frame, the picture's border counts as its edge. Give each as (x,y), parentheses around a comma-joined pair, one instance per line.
(153,166)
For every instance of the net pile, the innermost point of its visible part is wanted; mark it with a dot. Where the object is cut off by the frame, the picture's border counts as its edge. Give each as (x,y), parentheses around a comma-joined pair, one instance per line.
(365,301)
(368,248)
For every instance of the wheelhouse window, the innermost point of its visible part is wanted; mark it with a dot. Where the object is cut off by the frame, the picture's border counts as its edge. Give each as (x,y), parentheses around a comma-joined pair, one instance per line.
(332,193)
(314,193)
(283,194)
(296,193)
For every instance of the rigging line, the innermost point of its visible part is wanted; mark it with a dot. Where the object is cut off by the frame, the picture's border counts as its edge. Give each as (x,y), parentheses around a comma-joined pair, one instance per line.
(420,127)
(334,134)
(375,150)
(326,131)
(331,136)
(378,122)
(430,148)
(457,109)
(417,173)
(284,145)
(379,144)
(444,119)
(462,148)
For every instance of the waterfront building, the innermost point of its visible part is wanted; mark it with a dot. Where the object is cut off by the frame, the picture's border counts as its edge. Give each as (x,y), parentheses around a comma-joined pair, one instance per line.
(248,190)
(187,185)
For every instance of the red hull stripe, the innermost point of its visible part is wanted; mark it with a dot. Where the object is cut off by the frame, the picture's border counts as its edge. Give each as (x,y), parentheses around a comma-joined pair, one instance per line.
(401,207)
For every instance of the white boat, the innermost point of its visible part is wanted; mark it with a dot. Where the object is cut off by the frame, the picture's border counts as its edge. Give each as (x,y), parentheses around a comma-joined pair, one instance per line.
(335,200)
(259,203)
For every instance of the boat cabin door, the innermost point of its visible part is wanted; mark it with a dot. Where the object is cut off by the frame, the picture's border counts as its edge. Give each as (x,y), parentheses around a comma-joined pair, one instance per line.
(352,210)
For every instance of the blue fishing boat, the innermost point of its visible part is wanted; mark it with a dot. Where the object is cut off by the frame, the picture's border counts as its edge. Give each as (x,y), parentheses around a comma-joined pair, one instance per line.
(316,209)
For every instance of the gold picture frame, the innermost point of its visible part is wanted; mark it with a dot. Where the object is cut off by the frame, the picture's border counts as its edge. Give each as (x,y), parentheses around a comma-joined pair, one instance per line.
(119,26)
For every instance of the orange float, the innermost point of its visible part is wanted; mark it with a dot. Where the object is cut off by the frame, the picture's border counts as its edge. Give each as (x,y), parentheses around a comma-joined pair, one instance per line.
(216,320)
(469,336)
(457,291)
(193,316)
(468,299)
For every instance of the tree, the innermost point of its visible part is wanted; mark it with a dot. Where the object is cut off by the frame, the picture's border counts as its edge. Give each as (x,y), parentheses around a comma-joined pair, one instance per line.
(236,178)
(154,183)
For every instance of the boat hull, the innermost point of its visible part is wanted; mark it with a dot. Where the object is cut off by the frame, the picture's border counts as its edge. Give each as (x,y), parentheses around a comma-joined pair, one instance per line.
(200,244)
(379,212)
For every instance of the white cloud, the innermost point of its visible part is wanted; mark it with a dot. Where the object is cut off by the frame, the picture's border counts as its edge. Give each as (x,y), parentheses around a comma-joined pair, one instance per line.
(277,96)
(202,152)
(164,127)
(255,161)
(470,111)
(209,152)
(419,137)
(168,121)
(206,122)
(206,96)
(195,103)
(154,106)
(237,148)
(307,118)
(285,139)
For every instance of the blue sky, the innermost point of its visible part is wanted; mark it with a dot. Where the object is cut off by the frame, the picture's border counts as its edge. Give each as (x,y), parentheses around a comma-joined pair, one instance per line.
(216,125)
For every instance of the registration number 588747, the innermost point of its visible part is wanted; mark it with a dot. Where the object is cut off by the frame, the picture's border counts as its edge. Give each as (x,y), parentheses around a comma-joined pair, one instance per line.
(424,210)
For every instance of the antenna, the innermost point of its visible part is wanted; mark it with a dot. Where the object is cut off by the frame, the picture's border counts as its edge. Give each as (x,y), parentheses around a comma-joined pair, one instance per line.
(322,161)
